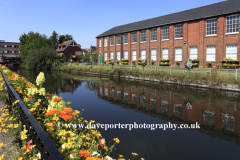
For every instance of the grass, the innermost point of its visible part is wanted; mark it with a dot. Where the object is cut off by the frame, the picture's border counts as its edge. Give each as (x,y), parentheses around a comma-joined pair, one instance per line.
(196,74)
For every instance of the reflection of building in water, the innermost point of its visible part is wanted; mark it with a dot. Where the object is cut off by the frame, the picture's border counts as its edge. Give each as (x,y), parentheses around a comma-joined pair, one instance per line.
(69,85)
(212,113)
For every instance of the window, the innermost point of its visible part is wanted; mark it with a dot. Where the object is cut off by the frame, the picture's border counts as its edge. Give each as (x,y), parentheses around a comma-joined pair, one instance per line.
(134,37)
(118,55)
(125,38)
(193,53)
(165,33)
(126,54)
(232,24)
(143,36)
(153,34)
(231,51)
(211,27)
(143,53)
(179,31)
(105,41)
(118,40)
(165,53)
(178,54)
(153,54)
(211,50)
(105,56)
(111,40)
(134,56)
(111,55)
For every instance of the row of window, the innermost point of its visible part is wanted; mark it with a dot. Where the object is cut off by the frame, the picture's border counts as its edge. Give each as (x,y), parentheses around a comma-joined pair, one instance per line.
(231,52)
(9,51)
(9,46)
(232,26)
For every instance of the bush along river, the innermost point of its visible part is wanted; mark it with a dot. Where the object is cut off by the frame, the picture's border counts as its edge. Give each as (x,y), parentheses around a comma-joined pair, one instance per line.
(167,121)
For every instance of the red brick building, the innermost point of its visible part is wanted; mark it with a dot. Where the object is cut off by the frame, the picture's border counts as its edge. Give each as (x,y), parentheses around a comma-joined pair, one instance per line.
(69,50)
(208,33)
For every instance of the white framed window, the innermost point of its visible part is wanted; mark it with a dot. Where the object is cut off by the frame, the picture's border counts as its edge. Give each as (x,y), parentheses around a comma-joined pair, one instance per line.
(105,56)
(134,37)
(125,37)
(193,52)
(153,34)
(179,31)
(111,40)
(134,55)
(232,24)
(210,54)
(178,54)
(143,36)
(165,33)
(153,54)
(126,54)
(100,42)
(211,27)
(105,41)
(118,55)
(143,53)
(111,55)
(118,40)
(165,53)
(231,51)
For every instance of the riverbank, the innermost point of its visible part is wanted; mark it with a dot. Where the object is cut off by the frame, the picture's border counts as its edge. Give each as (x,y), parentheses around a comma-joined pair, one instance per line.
(216,81)
(10,149)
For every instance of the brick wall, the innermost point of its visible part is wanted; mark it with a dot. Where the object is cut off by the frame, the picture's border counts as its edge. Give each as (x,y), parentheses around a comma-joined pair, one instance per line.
(194,34)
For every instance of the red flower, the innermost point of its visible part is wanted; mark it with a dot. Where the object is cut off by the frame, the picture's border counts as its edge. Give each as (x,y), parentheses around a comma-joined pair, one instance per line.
(84,153)
(101,143)
(30,142)
(27,146)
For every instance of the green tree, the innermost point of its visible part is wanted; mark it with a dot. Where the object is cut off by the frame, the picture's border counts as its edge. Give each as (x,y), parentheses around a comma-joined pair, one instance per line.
(54,39)
(63,38)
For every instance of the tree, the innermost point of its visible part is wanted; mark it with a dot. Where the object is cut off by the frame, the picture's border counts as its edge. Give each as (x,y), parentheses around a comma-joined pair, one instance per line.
(38,51)
(63,38)
(54,39)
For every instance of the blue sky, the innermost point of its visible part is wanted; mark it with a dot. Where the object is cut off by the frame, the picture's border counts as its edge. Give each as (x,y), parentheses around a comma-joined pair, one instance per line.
(84,19)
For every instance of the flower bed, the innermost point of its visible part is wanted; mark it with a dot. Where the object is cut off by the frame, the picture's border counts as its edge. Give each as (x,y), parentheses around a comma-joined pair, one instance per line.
(164,62)
(194,61)
(50,111)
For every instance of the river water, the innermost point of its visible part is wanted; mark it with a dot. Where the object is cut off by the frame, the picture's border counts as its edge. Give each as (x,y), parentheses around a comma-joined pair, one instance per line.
(110,101)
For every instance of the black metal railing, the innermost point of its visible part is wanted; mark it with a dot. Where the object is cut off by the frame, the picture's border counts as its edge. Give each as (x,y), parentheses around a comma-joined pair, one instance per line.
(43,143)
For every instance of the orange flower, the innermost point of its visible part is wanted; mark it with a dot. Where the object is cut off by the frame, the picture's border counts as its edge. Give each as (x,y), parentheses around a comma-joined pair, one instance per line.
(84,153)
(67,117)
(57,99)
(47,114)
(68,110)
(54,111)
(62,113)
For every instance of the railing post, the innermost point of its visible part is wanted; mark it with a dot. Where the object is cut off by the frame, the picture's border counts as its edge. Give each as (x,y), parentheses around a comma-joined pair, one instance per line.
(170,69)
(210,72)
(236,74)
(155,69)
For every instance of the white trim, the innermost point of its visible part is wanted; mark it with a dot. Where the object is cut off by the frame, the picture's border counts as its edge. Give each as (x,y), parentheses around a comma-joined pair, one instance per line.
(133,42)
(125,43)
(165,40)
(143,42)
(232,33)
(154,41)
(211,35)
(72,45)
(111,45)
(118,44)
(178,38)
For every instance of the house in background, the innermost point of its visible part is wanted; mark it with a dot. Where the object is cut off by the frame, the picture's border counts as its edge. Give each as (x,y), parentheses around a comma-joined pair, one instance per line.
(92,49)
(9,49)
(69,50)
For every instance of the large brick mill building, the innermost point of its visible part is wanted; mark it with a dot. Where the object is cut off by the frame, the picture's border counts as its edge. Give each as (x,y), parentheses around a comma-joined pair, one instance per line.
(208,33)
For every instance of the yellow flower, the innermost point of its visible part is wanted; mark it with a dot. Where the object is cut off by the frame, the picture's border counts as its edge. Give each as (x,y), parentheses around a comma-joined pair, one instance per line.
(24,137)
(116,140)
(121,156)
(15,126)
(1,144)
(5,130)
(134,154)
(1,157)
(142,158)
(55,118)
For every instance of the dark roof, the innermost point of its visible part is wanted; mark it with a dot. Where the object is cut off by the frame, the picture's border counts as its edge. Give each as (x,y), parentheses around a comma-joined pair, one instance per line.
(216,9)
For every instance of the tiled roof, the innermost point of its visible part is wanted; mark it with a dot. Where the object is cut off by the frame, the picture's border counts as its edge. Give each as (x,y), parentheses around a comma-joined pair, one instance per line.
(216,9)
(66,43)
